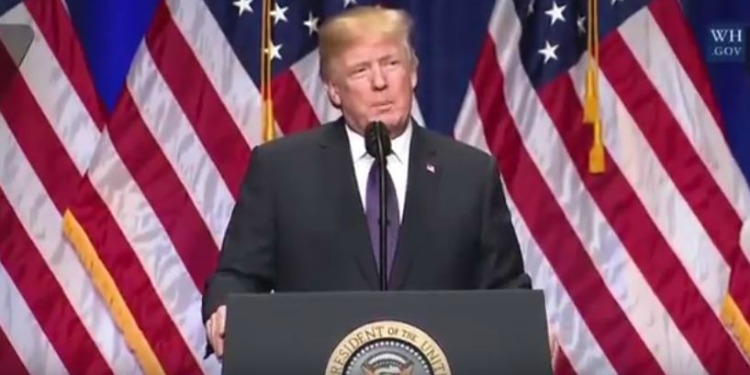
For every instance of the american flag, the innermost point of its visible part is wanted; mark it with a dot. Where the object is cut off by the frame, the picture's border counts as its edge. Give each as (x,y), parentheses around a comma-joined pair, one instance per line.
(113,208)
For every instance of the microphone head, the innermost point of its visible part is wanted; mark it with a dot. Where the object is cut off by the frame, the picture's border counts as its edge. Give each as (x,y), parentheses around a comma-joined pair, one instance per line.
(376,132)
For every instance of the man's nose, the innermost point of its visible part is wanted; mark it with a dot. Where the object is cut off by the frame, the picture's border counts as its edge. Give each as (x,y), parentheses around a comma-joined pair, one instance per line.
(378,78)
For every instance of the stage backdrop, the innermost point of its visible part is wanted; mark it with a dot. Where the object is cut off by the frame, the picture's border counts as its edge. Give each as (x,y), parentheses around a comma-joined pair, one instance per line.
(125,133)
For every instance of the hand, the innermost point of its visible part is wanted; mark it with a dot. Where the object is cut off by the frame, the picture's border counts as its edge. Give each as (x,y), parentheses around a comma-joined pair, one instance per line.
(554,346)
(215,330)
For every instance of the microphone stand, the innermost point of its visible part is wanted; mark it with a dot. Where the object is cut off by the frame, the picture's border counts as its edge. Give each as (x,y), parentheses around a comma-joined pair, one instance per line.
(383,209)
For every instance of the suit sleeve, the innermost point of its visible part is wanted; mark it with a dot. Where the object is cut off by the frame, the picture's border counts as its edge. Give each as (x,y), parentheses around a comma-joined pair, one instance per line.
(500,261)
(246,260)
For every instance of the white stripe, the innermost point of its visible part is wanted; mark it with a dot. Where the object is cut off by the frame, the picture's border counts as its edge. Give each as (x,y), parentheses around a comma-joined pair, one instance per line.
(574,336)
(469,128)
(154,249)
(623,278)
(663,201)
(183,148)
(41,220)
(24,333)
(224,70)
(674,85)
(305,71)
(416,112)
(55,95)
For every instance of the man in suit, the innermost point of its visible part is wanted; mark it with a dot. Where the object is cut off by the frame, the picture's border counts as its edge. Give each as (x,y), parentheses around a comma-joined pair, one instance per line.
(306,218)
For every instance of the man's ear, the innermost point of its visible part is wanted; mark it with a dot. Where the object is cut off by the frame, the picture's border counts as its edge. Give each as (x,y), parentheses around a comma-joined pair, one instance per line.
(414,70)
(333,93)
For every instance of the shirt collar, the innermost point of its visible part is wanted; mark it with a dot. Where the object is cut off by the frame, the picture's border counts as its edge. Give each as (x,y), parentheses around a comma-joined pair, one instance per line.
(399,146)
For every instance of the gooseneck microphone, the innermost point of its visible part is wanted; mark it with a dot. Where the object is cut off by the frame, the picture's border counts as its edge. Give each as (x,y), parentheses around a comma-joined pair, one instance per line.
(378,144)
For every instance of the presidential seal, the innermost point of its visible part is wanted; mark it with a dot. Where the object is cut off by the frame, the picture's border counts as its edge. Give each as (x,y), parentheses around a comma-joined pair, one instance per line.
(387,348)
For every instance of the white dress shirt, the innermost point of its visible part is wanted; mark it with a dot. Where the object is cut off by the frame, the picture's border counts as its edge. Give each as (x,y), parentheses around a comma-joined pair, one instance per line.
(398,164)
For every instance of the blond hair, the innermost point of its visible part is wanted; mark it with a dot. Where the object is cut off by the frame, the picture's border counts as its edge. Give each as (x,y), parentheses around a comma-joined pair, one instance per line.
(349,27)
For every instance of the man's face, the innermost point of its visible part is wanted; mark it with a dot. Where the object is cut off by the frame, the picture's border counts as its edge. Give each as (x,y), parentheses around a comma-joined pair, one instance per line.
(374,81)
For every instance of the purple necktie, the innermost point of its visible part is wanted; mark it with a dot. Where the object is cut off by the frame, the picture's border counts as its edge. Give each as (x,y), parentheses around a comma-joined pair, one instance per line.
(373,211)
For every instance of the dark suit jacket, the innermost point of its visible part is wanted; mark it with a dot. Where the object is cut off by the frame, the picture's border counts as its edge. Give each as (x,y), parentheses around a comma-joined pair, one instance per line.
(299,224)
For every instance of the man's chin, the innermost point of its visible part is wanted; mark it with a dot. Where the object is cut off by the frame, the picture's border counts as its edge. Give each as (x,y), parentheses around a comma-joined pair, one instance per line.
(389,118)
(396,127)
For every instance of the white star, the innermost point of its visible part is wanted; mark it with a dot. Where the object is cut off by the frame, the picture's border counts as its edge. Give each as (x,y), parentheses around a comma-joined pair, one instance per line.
(555,13)
(616,1)
(275,51)
(530,9)
(581,24)
(549,51)
(243,5)
(348,2)
(311,23)
(278,13)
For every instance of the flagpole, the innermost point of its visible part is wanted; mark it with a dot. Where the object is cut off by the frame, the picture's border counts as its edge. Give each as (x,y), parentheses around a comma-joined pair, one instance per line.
(266,74)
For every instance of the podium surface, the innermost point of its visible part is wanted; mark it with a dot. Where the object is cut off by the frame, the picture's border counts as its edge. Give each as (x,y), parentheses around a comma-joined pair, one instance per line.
(399,332)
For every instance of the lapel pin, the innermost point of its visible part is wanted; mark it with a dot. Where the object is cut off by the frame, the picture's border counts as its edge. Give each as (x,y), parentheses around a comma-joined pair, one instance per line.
(430,168)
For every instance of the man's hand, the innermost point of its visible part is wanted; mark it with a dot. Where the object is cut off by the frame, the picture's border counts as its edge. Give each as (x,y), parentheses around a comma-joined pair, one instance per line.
(215,330)
(554,347)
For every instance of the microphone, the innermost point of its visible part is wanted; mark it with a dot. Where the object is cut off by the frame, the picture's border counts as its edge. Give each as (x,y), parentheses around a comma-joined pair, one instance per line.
(377,140)
(378,144)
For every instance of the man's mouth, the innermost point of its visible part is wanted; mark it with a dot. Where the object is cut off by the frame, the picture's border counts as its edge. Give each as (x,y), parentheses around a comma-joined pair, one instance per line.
(383,107)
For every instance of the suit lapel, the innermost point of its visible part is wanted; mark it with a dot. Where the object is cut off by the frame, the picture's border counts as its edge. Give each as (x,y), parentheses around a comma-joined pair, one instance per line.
(338,170)
(421,194)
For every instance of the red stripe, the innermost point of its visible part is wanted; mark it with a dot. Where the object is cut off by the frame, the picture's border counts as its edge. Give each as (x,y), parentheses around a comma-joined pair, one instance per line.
(164,191)
(199,101)
(56,28)
(560,243)
(679,159)
(10,362)
(668,14)
(45,297)
(35,135)
(134,285)
(644,242)
(292,108)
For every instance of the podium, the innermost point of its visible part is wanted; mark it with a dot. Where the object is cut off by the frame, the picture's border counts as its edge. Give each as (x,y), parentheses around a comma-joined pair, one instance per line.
(397,332)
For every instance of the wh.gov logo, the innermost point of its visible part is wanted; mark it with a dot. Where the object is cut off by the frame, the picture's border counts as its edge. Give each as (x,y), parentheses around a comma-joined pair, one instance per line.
(727,43)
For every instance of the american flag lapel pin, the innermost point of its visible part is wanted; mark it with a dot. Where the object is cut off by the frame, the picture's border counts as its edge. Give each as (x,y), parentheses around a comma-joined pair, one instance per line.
(430,168)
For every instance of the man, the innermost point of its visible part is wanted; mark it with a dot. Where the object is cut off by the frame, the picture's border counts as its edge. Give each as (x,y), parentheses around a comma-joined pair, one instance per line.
(306,219)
